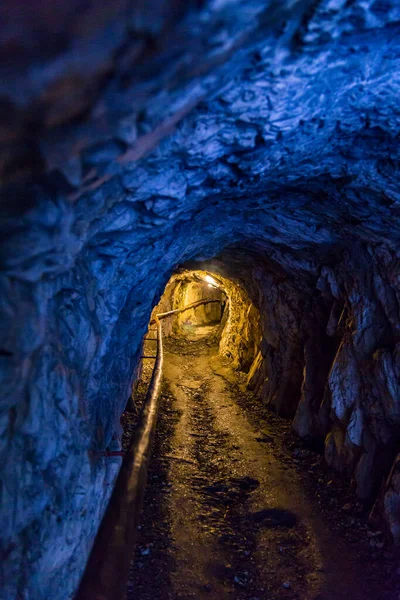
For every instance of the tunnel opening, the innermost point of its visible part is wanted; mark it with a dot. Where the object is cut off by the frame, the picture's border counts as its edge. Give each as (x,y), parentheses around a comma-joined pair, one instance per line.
(223,312)
(199,308)
(192,288)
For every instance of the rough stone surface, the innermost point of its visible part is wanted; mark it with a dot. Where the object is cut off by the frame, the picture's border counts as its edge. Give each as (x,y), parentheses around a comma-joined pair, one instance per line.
(263,133)
(238,334)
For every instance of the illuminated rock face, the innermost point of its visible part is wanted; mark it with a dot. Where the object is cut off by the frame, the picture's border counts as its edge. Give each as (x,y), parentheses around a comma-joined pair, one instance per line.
(238,333)
(264,136)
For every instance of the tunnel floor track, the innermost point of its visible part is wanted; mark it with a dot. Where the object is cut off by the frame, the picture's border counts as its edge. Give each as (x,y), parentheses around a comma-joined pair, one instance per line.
(224,515)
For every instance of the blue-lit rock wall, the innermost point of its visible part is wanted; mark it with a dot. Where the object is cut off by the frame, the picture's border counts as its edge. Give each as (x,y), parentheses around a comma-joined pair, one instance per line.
(268,127)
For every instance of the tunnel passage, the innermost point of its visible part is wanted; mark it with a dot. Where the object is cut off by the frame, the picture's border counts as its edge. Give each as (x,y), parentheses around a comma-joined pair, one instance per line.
(290,330)
(318,325)
(235,318)
(197,408)
(180,292)
(136,141)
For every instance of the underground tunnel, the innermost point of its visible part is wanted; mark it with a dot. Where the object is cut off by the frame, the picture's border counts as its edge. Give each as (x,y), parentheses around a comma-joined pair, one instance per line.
(235,164)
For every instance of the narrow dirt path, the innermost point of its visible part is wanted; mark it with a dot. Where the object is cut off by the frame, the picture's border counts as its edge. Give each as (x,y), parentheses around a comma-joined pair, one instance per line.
(225,516)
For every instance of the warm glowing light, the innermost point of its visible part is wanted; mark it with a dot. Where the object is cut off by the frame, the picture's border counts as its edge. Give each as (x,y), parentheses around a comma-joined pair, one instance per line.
(211,282)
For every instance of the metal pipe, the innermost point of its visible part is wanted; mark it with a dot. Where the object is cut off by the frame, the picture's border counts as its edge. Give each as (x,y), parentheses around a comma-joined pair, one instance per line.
(180,310)
(107,570)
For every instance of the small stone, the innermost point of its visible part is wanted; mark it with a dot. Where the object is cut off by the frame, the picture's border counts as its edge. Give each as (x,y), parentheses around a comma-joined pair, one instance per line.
(347,507)
(239,581)
(286,585)
(145,551)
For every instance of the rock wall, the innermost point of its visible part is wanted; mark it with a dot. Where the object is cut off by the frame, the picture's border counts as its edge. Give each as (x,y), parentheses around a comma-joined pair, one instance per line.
(204,314)
(329,359)
(262,133)
(238,335)
(184,289)
(241,335)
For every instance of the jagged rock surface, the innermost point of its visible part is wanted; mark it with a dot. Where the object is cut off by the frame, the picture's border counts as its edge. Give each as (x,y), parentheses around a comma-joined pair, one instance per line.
(263,132)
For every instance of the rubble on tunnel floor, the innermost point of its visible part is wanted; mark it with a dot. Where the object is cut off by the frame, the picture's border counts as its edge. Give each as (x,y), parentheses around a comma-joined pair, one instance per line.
(200,461)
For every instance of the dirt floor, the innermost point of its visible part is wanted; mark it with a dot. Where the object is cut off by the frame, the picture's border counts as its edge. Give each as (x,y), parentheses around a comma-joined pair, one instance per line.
(237,508)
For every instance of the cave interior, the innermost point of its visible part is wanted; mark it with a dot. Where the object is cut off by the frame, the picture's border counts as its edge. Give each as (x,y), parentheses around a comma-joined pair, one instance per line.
(166,152)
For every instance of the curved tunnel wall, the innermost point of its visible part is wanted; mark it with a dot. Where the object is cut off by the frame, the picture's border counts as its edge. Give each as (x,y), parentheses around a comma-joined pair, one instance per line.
(287,150)
(70,374)
(238,334)
(69,371)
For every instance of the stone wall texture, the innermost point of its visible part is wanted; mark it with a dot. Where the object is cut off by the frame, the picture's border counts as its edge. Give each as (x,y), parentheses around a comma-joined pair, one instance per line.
(256,137)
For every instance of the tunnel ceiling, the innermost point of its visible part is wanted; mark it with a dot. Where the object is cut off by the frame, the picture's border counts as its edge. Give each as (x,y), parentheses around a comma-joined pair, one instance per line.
(250,119)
